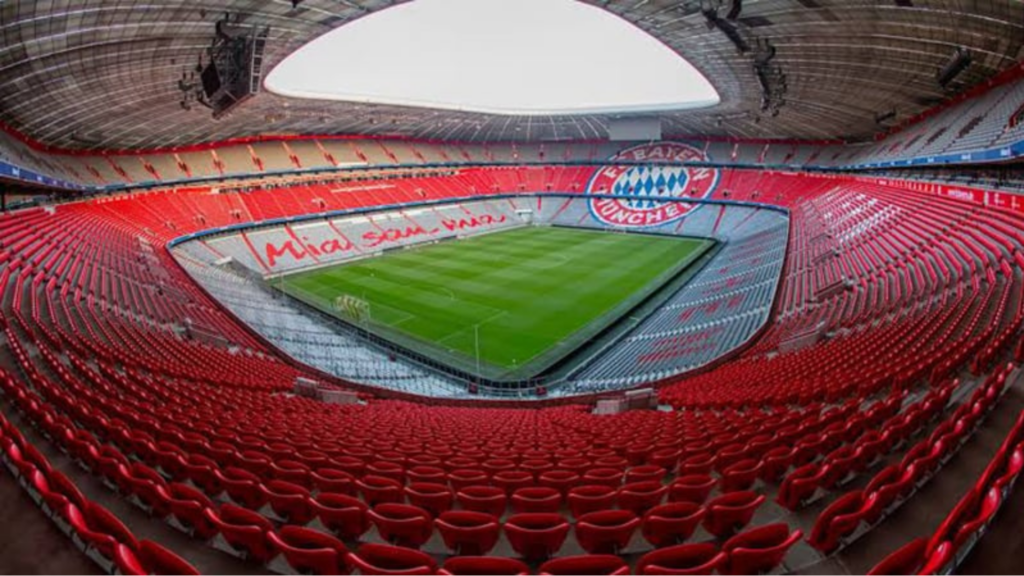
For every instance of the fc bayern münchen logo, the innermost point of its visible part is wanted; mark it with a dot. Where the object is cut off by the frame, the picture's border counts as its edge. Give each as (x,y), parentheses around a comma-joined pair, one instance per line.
(645,189)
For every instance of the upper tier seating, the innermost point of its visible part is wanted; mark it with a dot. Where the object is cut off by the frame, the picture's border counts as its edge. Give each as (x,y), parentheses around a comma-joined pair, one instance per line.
(980,123)
(988,122)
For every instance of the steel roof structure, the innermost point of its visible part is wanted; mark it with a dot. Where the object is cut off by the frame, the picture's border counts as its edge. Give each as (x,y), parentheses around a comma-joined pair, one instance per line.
(103,74)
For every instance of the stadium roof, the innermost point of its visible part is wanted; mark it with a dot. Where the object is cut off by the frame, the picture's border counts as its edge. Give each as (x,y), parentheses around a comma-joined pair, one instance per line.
(104,74)
(471,55)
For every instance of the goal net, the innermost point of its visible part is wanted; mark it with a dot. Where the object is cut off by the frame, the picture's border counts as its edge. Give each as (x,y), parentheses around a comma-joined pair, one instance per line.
(352,307)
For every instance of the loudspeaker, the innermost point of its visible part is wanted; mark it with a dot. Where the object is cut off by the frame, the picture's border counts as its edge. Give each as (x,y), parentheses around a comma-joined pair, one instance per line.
(957,63)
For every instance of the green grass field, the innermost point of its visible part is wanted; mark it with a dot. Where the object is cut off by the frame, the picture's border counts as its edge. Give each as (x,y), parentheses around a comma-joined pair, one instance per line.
(521,299)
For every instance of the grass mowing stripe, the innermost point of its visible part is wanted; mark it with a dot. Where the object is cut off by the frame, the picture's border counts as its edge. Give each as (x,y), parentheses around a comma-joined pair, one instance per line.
(527,291)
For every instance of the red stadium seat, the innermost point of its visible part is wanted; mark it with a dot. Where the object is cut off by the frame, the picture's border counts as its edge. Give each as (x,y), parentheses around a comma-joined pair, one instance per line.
(186,505)
(344,515)
(472,565)
(590,498)
(973,526)
(434,498)
(731,512)
(939,559)
(697,464)
(603,476)
(841,463)
(741,475)
(309,551)
(672,523)
(511,480)
(777,462)
(402,524)
(536,499)
(645,473)
(143,482)
(883,489)
(150,558)
(487,499)
(1010,473)
(799,485)
(353,465)
(561,480)
(872,445)
(639,497)
(204,472)
(292,471)
(426,473)
(380,490)
(170,458)
(589,564)
(289,501)
(906,559)
(606,531)
(26,458)
(693,488)
(99,529)
(384,559)
(536,536)
(682,559)
(839,520)
(464,477)
(468,533)
(245,530)
(728,454)
(758,550)
(667,458)
(243,487)
(57,491)
(108,462)
(333,480)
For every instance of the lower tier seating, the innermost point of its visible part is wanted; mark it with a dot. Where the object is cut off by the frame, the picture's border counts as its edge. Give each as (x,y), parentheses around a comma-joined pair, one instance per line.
(895,330)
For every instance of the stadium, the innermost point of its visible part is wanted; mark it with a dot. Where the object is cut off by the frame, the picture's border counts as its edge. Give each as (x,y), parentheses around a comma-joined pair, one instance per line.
(512,287)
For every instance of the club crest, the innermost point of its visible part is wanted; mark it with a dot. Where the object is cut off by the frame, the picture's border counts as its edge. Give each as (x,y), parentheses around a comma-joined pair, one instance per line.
(644,189)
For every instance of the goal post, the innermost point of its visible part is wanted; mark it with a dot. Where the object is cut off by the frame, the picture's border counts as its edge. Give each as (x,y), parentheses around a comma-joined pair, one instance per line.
(352,307)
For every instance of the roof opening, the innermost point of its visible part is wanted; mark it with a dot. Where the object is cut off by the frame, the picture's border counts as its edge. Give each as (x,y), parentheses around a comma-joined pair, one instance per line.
(495,56)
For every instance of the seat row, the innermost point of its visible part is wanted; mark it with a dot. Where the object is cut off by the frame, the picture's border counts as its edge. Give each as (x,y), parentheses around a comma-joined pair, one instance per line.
(92,527)
(944,550)
(534,535)
(851,514)
(874,441)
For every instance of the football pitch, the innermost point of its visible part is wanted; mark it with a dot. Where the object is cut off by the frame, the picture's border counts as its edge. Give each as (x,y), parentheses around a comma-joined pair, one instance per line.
(504,305)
